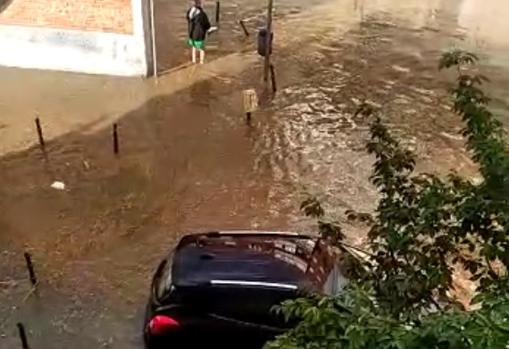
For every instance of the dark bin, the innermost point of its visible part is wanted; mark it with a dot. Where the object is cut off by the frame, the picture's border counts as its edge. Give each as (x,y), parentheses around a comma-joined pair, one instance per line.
(262,41)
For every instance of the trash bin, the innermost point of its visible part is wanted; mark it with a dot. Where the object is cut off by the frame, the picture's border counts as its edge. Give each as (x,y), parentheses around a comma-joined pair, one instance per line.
(262,42)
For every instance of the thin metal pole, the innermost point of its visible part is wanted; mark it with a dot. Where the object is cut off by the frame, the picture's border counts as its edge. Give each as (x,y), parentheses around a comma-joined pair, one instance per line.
(153,34)
(218,12)
(30,267)
(115,139)
(22,335)
(39,133)
(273,78)
(268,41)
(246,32)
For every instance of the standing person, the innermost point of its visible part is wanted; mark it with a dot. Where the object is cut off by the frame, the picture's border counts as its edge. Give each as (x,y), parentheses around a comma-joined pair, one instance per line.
(198,25)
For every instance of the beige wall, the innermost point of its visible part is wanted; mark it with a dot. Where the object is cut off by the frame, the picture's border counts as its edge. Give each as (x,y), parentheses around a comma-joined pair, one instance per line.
(88,36)
(114,16)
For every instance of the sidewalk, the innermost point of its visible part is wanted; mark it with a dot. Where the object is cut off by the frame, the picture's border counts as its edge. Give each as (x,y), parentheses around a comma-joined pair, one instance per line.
(86,104)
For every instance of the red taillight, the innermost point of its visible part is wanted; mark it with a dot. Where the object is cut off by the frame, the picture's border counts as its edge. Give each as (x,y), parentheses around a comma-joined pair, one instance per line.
(161,324)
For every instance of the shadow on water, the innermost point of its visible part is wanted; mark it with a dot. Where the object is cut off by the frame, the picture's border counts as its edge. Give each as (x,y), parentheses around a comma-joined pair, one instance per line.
(4,4)
(188,162)
(184,165)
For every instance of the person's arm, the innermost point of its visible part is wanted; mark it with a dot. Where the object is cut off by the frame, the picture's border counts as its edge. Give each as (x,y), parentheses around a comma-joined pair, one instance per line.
(189,23)
(206,22)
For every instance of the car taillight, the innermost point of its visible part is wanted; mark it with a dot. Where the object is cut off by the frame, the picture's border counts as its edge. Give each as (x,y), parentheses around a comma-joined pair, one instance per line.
(161,324)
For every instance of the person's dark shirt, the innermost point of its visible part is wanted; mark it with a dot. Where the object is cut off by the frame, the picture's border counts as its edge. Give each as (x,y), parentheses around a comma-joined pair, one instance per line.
(198,23)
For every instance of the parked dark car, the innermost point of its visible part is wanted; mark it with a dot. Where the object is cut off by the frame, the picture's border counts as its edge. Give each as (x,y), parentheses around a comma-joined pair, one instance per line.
(219,289)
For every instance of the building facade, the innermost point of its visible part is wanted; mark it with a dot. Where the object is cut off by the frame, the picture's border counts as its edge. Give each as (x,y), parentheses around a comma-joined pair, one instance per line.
(109,37)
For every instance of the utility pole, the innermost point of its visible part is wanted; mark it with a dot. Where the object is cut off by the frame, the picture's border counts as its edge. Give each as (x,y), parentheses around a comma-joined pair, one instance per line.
(268,42)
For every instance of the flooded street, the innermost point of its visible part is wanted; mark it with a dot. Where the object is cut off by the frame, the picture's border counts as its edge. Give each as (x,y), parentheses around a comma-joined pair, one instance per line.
(188,161)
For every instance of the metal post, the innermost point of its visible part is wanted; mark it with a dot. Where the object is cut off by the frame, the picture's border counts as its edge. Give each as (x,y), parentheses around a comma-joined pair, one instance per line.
(273,78)
(153,33)
(115,139)
(39,133)
(218,12)
(268,41)
(30,267)
(22,335)
(246,32)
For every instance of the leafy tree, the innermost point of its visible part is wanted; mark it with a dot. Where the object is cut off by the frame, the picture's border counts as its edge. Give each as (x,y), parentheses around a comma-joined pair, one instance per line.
(424,225)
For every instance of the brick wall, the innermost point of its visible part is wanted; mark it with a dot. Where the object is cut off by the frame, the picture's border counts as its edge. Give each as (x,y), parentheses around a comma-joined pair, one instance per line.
(114,16)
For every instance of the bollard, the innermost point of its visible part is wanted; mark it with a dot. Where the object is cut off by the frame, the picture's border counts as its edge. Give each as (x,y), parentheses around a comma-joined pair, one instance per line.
(30,267)
(22,335)
(250,100)
(273,78)
(115,139)
(218,12)
(39,132)
(244,27)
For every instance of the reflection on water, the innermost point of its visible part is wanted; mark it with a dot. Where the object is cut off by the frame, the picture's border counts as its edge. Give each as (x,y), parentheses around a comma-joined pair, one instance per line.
(486,22)
(188,161)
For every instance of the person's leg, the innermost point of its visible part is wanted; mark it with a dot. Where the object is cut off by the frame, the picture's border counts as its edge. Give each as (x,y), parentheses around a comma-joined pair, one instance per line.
(202,56)
(193,54)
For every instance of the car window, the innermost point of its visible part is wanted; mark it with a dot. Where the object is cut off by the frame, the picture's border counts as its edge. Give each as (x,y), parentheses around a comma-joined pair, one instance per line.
(336,281)
(163,283)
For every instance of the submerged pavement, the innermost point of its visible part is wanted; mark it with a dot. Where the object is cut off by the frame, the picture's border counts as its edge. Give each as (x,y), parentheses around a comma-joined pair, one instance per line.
(189,162)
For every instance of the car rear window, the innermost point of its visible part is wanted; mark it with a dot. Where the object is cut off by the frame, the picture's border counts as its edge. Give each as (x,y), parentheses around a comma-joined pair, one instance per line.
(305,262)
(198,265)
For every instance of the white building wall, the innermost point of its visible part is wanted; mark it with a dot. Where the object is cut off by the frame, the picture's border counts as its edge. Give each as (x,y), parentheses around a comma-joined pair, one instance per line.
(79,51)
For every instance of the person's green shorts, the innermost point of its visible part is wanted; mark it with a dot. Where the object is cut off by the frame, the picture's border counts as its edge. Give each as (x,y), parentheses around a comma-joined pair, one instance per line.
(199,44)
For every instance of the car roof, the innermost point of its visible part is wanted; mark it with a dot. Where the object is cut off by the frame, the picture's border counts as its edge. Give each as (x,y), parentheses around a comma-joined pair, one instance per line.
(249,259)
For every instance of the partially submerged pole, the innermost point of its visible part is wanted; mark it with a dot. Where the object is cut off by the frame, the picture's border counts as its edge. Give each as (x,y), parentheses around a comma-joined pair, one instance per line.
(22,335)
(39,133)
(273,78)
(115,139)
(246,32)
(30,267)
(218,12)
(268,42)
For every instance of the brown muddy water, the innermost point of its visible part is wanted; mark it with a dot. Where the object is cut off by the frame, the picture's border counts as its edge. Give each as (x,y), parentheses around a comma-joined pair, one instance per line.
(189,162)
